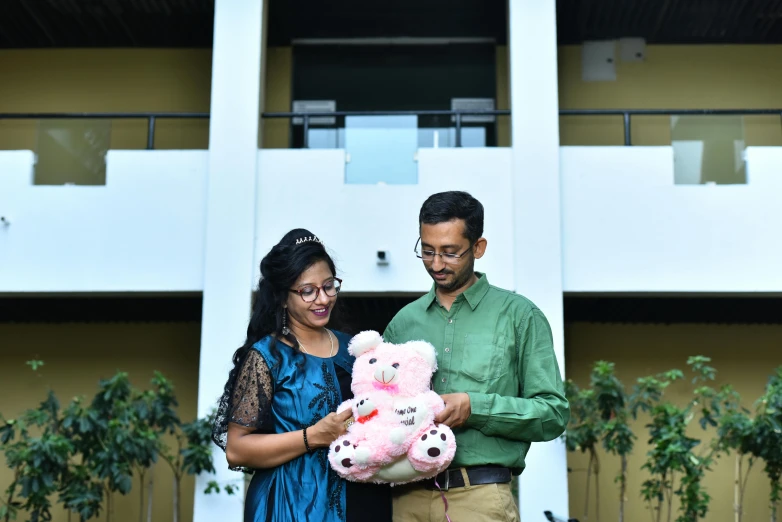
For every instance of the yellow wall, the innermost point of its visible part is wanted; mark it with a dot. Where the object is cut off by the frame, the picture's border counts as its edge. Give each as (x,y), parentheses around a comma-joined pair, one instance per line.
(744,355)
(673,77)
(76,356)
(108,80)
(136,80)
(279,75)
(503,95)
(127,80)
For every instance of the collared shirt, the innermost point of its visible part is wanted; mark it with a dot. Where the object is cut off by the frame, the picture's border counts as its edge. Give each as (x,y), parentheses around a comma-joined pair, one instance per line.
(496,346)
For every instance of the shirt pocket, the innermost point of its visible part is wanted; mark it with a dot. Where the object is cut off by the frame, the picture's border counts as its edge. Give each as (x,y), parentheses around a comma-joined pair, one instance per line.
(484,357)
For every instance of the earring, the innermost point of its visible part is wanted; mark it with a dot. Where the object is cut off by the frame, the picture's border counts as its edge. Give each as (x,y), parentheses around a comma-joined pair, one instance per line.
(285,330)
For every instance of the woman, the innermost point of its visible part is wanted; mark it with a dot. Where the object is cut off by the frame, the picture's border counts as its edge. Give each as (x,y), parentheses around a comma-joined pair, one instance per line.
(276,415)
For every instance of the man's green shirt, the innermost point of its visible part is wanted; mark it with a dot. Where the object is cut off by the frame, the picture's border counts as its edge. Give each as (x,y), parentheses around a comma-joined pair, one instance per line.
(497,347)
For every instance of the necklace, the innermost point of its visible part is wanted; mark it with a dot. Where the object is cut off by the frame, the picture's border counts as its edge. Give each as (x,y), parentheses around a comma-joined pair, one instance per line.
(331,342)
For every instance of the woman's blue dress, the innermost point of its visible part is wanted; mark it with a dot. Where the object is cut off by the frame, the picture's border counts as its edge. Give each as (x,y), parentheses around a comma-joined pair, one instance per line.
(305,389)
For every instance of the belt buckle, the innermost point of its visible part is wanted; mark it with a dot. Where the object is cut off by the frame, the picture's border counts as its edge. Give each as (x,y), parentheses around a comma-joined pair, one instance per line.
(447,481)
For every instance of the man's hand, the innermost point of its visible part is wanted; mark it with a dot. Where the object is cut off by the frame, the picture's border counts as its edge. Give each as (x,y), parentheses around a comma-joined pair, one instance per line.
(457,410)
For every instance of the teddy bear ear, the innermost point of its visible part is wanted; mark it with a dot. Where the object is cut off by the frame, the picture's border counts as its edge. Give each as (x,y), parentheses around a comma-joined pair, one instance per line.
(364,342)
(425,350)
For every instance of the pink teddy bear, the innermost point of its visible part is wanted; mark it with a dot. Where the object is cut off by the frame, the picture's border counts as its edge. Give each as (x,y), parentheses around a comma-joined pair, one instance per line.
(393,438)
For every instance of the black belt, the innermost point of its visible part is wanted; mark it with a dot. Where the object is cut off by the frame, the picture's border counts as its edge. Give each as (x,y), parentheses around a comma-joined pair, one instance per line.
(477,475)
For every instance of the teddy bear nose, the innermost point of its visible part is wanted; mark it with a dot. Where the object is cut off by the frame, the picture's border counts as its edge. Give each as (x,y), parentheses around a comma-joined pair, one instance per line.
(385,374)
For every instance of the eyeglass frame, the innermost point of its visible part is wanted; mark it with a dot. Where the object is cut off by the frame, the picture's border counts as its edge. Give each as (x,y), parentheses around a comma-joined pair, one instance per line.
(452,258)
(319,288)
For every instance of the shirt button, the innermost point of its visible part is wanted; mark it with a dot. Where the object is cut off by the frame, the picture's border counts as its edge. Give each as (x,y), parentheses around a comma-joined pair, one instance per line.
(443,379)
(447,350)
(450,321)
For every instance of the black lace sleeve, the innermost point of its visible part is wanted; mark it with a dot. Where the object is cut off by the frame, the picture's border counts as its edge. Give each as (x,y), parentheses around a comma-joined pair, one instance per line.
(246,400)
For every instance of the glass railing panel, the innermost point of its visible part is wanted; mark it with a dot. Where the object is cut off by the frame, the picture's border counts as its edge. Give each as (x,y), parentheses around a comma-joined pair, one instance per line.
(331,138)
(446,137)
(72,152)
(708,150)
(381,149)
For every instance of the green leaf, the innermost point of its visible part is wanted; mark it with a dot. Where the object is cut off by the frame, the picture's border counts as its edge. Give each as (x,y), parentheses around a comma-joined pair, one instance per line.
(34,364)
(125,484)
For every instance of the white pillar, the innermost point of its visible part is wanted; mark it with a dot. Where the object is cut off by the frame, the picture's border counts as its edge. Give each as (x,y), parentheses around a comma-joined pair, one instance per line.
(230,221)
(537,219)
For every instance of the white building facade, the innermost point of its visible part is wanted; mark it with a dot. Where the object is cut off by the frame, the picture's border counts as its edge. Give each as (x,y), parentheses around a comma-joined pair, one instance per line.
(558,219)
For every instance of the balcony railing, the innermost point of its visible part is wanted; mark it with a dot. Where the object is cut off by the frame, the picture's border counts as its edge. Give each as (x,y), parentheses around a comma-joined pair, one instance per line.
(627,114)
(457,117)
(151,118)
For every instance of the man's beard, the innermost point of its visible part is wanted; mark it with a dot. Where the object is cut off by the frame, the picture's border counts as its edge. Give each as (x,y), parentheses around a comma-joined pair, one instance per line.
(457,282)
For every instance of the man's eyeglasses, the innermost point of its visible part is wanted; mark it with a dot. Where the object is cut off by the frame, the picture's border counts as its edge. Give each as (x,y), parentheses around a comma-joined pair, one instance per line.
(428,255)
(309,293)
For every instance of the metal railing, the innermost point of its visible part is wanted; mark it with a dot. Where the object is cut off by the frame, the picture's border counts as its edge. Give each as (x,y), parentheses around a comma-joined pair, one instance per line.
(458,116)
(151,118)
(627,113)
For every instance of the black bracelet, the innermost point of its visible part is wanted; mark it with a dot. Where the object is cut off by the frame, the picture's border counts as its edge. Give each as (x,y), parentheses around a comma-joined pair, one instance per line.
(306,444)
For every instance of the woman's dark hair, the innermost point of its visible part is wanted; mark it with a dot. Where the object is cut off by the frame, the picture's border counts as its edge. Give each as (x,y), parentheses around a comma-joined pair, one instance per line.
(445,206)
(298,250)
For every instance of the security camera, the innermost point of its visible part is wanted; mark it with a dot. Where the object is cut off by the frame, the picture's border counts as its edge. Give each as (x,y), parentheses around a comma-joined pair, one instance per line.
(382,257)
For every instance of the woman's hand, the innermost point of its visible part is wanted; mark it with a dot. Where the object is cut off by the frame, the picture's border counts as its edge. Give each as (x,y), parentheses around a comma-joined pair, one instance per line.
(260,450)
(327,429)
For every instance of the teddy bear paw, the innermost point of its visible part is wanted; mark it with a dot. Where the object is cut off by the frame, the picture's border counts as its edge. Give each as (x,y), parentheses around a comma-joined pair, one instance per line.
(344,454)
(434,442)
(433,449)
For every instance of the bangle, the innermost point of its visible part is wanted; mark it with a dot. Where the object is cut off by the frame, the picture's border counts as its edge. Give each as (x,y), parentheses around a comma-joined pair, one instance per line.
(306,444)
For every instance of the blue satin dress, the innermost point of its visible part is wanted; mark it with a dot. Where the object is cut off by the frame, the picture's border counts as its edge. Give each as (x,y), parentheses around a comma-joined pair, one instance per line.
(306,389)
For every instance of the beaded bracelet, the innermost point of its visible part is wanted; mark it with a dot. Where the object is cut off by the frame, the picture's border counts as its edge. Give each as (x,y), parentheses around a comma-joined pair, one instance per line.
(306,444)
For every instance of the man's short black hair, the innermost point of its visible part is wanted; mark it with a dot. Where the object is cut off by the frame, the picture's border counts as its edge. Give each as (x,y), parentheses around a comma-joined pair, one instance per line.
(446,206)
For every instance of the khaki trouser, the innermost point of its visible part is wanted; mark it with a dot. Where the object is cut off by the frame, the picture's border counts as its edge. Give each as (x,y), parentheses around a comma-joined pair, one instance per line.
(483,503)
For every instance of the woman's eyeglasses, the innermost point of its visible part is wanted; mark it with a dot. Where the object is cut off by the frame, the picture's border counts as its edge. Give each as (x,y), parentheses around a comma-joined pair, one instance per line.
(309,293)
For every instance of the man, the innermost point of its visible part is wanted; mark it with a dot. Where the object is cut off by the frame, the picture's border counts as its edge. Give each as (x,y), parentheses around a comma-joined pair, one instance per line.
(497,374)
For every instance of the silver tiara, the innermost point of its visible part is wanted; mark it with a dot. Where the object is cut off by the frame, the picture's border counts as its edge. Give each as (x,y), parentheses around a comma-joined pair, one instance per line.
(308,238)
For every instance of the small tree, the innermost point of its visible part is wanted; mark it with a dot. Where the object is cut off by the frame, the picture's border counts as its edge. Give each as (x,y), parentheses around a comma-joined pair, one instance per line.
(156,409)
(673,451)
(648,394)
(614,408)
(736,433)
(85,453)
(583,433)
(112,439)
(192,454)
(9,504)
(37,452)
(768,437)
(601,413)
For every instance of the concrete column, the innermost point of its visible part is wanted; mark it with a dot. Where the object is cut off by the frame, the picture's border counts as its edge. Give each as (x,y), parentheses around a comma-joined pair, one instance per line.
(537,215)
(230,221)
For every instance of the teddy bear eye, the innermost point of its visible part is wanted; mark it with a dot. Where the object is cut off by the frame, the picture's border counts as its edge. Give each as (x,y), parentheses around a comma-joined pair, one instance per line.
(372,361)
(395,365)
